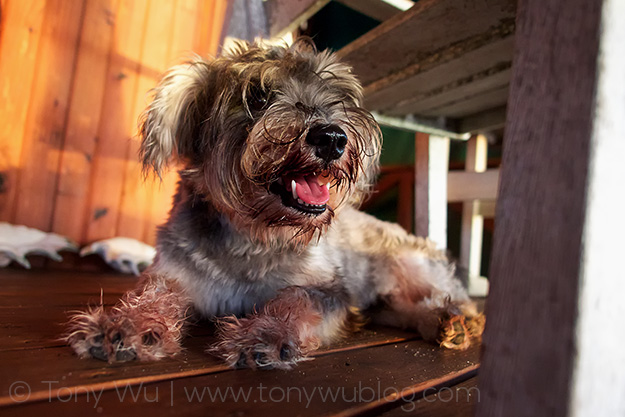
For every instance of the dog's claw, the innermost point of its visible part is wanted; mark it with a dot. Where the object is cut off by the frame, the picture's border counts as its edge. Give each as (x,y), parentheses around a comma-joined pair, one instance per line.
(125,355)
(98,352)
(285,353)
(241,362)
(246,343)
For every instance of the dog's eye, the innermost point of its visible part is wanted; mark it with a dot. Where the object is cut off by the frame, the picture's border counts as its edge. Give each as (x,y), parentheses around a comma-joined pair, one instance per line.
(257,98)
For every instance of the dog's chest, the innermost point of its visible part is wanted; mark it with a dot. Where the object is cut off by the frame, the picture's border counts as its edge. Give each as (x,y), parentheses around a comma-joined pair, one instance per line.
(237,281)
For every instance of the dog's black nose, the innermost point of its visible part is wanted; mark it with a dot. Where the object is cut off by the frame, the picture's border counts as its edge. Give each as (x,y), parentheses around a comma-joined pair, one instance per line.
(329,141)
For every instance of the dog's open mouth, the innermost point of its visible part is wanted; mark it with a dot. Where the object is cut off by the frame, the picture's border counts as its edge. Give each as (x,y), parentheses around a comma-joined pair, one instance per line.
(306,193)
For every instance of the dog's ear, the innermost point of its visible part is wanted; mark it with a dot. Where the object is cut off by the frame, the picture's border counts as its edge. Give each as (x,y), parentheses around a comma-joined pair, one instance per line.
(170,124)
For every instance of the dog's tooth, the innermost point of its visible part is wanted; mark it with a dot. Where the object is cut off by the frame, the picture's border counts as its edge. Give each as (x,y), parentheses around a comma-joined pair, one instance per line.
(328,186)
(294,189)
(299,200)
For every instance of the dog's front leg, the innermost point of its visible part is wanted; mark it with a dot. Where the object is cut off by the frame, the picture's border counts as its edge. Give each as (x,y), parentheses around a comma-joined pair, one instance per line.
(297,321)
(146,324)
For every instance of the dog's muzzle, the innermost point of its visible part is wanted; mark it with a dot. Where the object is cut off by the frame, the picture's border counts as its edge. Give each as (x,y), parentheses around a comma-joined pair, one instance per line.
(328,140)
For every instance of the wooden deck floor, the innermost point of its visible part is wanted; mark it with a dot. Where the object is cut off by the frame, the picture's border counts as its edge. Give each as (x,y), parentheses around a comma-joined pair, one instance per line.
(379,371)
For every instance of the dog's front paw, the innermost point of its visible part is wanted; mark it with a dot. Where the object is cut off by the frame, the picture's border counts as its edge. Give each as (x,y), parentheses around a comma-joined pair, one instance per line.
(259,342)
(93,334)
(119,338)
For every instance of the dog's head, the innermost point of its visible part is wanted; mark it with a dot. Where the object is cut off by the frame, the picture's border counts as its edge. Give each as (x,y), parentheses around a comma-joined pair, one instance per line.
(273,137)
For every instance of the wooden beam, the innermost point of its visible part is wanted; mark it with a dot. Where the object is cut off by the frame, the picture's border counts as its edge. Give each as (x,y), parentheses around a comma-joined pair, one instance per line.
(286,15)
(431,165)
(422,177)
(458,65)
(463,106)
(553,345)
(462,186)
(375,9)
(430,30)
(460,89)
(485,121)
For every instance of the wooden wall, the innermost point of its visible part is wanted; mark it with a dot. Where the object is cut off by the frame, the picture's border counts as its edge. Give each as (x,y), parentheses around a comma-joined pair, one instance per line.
(74,78)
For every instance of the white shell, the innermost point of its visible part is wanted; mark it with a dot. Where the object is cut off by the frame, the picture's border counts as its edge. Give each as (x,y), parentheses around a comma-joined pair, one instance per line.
(18,241)
(122,253)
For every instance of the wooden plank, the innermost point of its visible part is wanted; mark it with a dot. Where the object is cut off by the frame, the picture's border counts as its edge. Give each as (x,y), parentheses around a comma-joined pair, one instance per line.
(84,113)
(550,346)
(473,103)
(32,315)
(155,56)
(422,174)
(463,186)
(69,288)
(433,73)
(118,121)
(375,9)
(439,24)
(201,43)
(441,97)
(431,166)
(415,367)
(485,121)
(20,34)
(47,115)
(77,374)
(161,192)
(284,16)
(455,401)
(33,305)
(218,34)
(23,328)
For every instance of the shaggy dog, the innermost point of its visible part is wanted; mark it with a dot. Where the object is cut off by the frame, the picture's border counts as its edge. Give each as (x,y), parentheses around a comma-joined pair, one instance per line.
(264,235)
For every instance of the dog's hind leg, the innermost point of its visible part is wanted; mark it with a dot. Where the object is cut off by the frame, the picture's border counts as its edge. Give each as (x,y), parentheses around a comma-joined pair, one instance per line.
(297,321)
(422,293)
(146,324)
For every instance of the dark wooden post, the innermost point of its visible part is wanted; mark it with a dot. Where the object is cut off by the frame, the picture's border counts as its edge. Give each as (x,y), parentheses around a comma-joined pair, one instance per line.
(554,344)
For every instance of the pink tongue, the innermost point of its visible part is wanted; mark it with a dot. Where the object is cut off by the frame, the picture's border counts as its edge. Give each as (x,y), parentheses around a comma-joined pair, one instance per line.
(309,190)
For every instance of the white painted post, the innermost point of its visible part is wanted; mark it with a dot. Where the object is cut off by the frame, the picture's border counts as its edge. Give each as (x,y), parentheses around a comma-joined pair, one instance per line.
(599,366)
(473,221)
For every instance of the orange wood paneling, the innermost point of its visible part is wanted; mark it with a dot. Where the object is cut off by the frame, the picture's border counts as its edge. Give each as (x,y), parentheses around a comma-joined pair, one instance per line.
(83,118)
(135,207)
(47,114)
(19,40)
(74,78)
(184,24)
(118,121)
